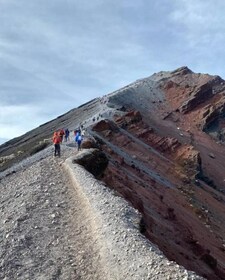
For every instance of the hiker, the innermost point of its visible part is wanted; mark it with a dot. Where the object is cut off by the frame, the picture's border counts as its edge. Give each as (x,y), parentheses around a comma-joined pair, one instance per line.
(61,133)
(77,133)
(79,141)
(67,134)
(56,141)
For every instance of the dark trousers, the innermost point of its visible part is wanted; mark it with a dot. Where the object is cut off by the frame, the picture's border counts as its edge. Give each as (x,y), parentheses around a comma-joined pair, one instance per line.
(57,150)
(78,145)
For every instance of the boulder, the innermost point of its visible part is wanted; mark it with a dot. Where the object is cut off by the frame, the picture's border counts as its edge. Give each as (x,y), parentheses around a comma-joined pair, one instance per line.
(93,160)
(88,143)
(104,125)
(189,159)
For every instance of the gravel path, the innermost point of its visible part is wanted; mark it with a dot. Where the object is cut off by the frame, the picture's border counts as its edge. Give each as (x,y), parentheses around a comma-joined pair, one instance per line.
(58,222)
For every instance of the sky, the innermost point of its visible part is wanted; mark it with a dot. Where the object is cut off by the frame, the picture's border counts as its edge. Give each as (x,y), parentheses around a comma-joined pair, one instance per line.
(58,54)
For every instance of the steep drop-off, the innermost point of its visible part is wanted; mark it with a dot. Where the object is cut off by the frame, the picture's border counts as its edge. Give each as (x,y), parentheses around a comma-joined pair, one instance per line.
(166,155)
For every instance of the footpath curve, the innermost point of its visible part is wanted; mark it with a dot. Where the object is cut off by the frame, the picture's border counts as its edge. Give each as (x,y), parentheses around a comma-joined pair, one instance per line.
(122,250)
(45,231)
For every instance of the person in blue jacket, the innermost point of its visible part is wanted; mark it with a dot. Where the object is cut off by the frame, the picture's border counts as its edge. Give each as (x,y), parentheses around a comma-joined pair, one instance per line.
(67,134)
(79,141)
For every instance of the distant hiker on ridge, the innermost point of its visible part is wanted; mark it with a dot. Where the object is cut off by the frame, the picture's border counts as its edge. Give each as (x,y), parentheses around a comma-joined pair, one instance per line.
(56,140)
(79,141)
(67,134)
(76,134)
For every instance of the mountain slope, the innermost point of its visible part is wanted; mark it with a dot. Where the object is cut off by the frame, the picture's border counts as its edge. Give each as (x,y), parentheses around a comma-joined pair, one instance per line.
(164,138)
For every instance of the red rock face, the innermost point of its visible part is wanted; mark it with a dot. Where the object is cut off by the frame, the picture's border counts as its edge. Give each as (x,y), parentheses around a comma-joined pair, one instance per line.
(167,158)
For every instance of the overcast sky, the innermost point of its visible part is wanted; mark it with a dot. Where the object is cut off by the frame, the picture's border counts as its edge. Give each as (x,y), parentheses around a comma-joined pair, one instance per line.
(57,54)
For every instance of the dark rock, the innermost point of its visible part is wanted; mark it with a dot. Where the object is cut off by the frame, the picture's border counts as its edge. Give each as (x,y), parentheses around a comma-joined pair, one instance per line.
(142,226)
(184,70)
(105,125)
(93,161)
(201,94)
(88,143)
(209,260)
(211,155)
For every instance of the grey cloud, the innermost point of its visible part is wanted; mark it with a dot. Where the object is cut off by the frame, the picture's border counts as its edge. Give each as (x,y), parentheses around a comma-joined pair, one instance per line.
(59,54)
(20,87)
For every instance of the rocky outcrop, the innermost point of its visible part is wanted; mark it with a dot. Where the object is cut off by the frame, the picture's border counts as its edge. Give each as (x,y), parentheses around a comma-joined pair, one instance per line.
(88,143)
(131,117)
(104,125)
(189,160)
(4,159)
(184,70)
(93,161)
(200,95)
(213,113)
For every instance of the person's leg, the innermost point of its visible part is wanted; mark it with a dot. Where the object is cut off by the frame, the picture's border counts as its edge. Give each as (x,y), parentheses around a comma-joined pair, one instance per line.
(79,145)
(55,150)
(58,149)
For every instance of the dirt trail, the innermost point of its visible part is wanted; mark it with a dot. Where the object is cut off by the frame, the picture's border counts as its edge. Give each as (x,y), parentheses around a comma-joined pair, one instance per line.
(45,226)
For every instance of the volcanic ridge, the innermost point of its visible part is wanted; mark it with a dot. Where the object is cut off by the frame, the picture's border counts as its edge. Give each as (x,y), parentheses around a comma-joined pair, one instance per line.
(163,137)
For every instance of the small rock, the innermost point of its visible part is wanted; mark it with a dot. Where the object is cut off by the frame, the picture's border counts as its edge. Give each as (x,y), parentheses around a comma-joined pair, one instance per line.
(211,155)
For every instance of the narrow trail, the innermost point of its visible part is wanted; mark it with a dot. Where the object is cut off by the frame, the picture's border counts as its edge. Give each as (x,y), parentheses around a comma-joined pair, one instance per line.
(52,228)
(45,226)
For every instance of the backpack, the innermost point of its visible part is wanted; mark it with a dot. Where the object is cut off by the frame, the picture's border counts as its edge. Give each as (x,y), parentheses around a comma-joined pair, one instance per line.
(57,140)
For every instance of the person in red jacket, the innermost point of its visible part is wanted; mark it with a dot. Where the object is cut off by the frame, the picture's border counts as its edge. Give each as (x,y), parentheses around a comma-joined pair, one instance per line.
(56,141)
